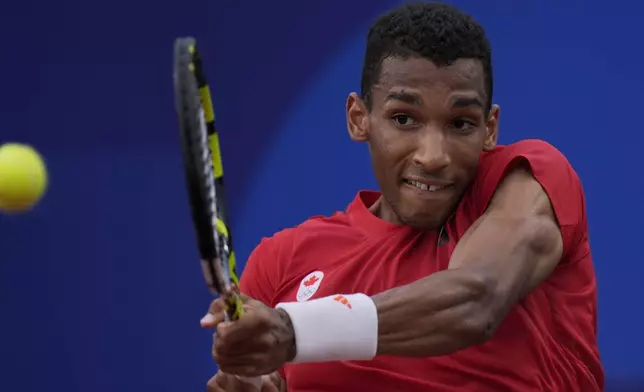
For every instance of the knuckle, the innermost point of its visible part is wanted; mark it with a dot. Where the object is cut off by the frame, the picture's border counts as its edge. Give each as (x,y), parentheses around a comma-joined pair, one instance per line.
(264,318)
(267,341)
(254,303)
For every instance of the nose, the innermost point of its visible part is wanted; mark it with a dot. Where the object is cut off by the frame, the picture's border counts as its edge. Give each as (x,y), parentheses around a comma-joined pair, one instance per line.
(432,154)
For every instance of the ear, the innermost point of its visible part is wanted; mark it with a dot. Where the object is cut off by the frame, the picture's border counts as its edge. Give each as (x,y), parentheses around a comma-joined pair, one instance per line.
(357,118)
(492,129)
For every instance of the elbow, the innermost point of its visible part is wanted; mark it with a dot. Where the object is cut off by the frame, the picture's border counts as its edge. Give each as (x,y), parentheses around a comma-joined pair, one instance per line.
(544,238)
(482,313)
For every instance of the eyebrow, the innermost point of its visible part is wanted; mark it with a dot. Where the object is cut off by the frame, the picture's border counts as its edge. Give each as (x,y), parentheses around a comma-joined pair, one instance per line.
(416,99)
(467,102)
(405,96)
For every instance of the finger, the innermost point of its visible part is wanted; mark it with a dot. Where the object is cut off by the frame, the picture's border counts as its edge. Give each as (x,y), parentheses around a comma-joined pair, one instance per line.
(215,314)
(256,360)
(250,365)
(235,333)
(268,385)
(260,343)
(250,335)
(245,329)
(272,382)
(253,384)
(211,320)
(244,297)
(269,388)
(223,347)
(252,306)
(217,306)
(220,347)
(223,382)
(251,302)
(242,370)
(248,370)
(213,385)
(248,304)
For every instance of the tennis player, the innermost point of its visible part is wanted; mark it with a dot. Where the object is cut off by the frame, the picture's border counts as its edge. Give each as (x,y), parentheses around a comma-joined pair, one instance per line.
(470,269)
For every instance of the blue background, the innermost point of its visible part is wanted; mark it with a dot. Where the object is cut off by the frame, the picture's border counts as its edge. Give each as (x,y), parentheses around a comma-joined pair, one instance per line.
(100,289)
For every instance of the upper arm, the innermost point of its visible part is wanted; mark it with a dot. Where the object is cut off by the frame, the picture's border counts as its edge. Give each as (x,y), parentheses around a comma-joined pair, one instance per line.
(517,241)
(530,216)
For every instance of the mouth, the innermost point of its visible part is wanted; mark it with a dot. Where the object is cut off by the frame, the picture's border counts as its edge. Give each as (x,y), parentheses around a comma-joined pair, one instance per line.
(426,186)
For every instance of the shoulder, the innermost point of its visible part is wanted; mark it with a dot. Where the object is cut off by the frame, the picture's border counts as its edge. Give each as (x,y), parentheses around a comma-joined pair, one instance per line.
(549,167)
(289,253)
(542,158)
(317,227)
(545,163)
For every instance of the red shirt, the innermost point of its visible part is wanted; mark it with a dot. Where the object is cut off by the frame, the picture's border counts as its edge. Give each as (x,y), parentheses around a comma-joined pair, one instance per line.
(548,341)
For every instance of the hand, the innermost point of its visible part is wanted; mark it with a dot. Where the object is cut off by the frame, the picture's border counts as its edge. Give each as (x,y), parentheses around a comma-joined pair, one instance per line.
(223,382)
(259,343)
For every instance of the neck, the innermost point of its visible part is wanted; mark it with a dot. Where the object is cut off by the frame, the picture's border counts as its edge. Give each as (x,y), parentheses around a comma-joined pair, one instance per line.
(383,210)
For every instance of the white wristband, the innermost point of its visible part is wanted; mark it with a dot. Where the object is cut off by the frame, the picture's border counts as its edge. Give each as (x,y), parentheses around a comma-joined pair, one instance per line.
(335,328)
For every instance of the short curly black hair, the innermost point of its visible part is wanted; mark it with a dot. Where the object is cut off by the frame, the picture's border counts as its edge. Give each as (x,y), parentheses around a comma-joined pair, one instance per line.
(438,32)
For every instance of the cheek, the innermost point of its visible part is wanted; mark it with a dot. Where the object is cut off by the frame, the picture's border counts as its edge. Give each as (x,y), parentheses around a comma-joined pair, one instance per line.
(387,153)
(380,158)
(388,141)
(466,155)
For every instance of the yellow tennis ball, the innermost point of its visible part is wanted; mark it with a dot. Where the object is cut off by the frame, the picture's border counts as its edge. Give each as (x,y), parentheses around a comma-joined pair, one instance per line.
(23,177)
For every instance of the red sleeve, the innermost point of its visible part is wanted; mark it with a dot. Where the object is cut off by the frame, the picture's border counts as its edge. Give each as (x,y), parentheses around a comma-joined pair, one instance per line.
(258,279)
(262,275)
(550,168)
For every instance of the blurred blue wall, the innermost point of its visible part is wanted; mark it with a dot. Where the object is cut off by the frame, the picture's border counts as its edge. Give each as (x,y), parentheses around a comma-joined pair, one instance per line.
(100,289)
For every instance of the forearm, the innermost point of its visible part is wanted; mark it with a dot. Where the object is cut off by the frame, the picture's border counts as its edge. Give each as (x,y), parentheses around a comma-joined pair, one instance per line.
(436,315)
(490,270)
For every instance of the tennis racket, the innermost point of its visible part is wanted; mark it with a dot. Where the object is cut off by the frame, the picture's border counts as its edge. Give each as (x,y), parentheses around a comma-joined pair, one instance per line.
(205,177)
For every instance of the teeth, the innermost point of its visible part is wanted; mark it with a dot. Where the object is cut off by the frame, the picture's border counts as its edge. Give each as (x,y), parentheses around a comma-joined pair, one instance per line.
(425,187)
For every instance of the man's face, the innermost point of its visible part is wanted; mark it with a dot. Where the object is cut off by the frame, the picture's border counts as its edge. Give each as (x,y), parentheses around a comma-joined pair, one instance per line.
(426,130)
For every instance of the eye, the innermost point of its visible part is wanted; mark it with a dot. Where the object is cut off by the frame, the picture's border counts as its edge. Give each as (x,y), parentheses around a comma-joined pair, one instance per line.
(403,120)
(462,125)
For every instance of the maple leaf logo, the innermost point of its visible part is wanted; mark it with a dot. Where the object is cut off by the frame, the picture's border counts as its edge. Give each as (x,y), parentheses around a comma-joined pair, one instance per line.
(310,281)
